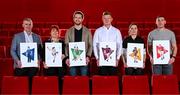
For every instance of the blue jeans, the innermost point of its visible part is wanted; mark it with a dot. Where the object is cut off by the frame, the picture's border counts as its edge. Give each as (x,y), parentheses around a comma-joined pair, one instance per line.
(165,69)
(83,70)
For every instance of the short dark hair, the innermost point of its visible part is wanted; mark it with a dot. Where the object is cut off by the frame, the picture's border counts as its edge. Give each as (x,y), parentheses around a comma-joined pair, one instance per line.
(55,27)
(107,13)
(79,12)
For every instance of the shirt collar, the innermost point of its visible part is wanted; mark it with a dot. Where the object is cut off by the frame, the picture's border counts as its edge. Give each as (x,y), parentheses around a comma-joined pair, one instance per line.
(106,27)
(27,34)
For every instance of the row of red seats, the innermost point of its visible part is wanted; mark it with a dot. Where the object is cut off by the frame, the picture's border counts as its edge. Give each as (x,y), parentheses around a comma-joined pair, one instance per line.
(95,85)
(90,24)
(6,68)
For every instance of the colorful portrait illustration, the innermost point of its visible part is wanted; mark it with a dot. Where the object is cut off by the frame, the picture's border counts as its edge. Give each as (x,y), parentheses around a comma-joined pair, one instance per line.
(28,54)
(53,53)
(161,51)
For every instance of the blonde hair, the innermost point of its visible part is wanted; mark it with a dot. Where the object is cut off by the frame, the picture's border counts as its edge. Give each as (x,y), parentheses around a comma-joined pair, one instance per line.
(130,28)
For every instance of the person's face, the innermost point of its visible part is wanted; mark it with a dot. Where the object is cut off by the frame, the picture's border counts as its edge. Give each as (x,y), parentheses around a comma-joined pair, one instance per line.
(160,22)
(107,19)
(133,30)
(78,19)
(54,33)
(27,25)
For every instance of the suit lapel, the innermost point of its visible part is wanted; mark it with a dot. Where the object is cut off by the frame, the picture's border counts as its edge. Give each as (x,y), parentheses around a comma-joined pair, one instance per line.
(72,33)
(83,34)
(23,37)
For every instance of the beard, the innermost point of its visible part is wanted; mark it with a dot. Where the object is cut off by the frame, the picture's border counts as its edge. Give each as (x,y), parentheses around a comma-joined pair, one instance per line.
(79,23)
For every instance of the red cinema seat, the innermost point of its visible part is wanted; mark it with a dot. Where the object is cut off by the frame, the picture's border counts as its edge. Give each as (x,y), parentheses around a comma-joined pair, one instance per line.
(105,85)
(76,85)
(135,85)
(176,66)
(164,84)
(2,51)
(14,85)
(6,67)
(94,24)
(62,33)
(45,85)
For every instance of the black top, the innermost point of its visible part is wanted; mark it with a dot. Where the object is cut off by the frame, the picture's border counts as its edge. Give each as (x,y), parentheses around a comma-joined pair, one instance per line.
(49,40)
(78,35)
(129,39)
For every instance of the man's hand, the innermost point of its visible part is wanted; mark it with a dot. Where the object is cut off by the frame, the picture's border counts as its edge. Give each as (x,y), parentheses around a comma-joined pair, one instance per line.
(172,60)
(87,60)
(67,62)
(151,60)
(19,64)
(117,62)
(97,62)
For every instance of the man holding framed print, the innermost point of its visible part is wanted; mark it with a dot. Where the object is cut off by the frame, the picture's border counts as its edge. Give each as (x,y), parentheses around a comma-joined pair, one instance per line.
(18,42)
(158,39)
(77,34)
(107,34)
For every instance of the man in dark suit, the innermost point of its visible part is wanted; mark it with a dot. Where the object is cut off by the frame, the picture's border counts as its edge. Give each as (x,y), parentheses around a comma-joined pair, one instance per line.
(27,36)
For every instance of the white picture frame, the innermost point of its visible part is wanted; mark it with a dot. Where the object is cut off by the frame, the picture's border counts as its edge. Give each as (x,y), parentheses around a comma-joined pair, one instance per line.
(77,54)
(161,51)
(135,55)
(28,54)
(107,56)
(53,54)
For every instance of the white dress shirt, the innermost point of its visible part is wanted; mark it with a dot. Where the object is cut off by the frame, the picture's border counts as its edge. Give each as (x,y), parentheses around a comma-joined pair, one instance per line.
(28,38)
(103,34)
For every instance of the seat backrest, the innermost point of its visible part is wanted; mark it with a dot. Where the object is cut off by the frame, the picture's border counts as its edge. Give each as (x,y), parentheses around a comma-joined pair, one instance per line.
(76,85)
(15,85)
(162,84)
(2,51)
(6,67)
(45,85)
(135,85)
(105,85)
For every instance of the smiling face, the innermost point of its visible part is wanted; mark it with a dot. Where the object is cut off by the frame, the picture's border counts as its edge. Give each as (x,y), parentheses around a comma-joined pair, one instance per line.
(160,22)
(27,25)
(107,19)
(78,19)
(54,33)
(133,30)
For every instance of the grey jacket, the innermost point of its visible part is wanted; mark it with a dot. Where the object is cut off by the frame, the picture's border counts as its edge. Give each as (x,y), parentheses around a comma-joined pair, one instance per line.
(15,46)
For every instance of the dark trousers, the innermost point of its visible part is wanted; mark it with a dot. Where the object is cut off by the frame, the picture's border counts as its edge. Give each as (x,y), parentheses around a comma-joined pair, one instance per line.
(108,70)
(54,71)
(29,71)
(134,71)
